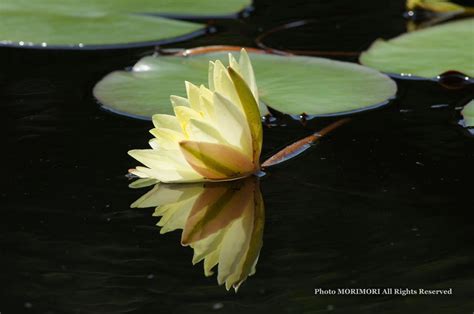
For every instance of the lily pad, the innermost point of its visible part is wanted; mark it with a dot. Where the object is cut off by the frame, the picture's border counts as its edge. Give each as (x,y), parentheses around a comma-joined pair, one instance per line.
(426,53)
(52,30)
(189,8)
(289,84)
(468,114)
(104,24)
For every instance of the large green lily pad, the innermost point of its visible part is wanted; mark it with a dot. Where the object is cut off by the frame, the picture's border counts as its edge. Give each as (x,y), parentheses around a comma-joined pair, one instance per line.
(426,53)
(104,24)
(289,84)
(191,8)
(51,30)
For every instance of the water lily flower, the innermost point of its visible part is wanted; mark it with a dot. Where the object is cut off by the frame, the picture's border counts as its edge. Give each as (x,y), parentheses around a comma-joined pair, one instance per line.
(215,133)
(222,222)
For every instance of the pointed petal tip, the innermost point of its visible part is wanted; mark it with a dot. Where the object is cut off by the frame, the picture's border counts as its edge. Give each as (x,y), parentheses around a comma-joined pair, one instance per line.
(138,153)
(133,153)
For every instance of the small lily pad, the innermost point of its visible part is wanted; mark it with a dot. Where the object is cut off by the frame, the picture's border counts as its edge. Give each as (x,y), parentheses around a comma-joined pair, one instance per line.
(289,84)
(91,24)
(468,114)
(426,53)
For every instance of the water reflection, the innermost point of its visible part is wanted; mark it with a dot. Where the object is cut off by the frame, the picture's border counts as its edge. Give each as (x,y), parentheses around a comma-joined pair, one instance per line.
(223,223)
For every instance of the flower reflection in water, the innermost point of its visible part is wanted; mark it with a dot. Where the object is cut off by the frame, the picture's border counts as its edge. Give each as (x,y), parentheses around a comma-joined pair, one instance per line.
(222,221)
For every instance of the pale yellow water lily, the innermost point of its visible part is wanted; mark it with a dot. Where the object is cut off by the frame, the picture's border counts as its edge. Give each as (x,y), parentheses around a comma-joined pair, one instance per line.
(215,134)
(223,223)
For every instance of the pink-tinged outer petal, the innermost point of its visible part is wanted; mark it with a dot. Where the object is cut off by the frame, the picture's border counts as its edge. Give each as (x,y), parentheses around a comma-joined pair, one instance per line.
(250,107)
(217,161)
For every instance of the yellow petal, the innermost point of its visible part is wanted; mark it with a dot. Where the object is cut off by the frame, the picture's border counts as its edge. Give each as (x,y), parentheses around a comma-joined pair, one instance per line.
(194,96)
(250,108)
(159,159)
(154,143)
(166,138)
(205,92)
(138,171)
(223,83)
(232,123)
(233,63)
(210,76)
(179,101)
(166,121)
(168,175)
(165,166)
(184,114)
(201,131)
(246,70)
(207,107)
(216,161)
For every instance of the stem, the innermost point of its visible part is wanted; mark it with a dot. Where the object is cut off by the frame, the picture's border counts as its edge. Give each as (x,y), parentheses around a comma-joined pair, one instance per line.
(300,146)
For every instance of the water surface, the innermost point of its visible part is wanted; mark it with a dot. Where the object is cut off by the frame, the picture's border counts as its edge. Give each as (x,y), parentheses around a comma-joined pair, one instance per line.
(382,202)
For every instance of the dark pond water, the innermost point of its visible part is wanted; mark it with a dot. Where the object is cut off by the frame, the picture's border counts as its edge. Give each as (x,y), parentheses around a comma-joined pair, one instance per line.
(382,202)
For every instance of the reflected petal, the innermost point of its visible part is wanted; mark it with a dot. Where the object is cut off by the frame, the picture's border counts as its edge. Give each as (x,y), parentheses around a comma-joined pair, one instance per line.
(217,206)
(223,223)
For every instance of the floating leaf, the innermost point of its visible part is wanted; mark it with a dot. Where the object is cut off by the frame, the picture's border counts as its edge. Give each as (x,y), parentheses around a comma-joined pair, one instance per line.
(51,30)
(426,53)
(289,84)
(182,8)
(468,114)
(95,24)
